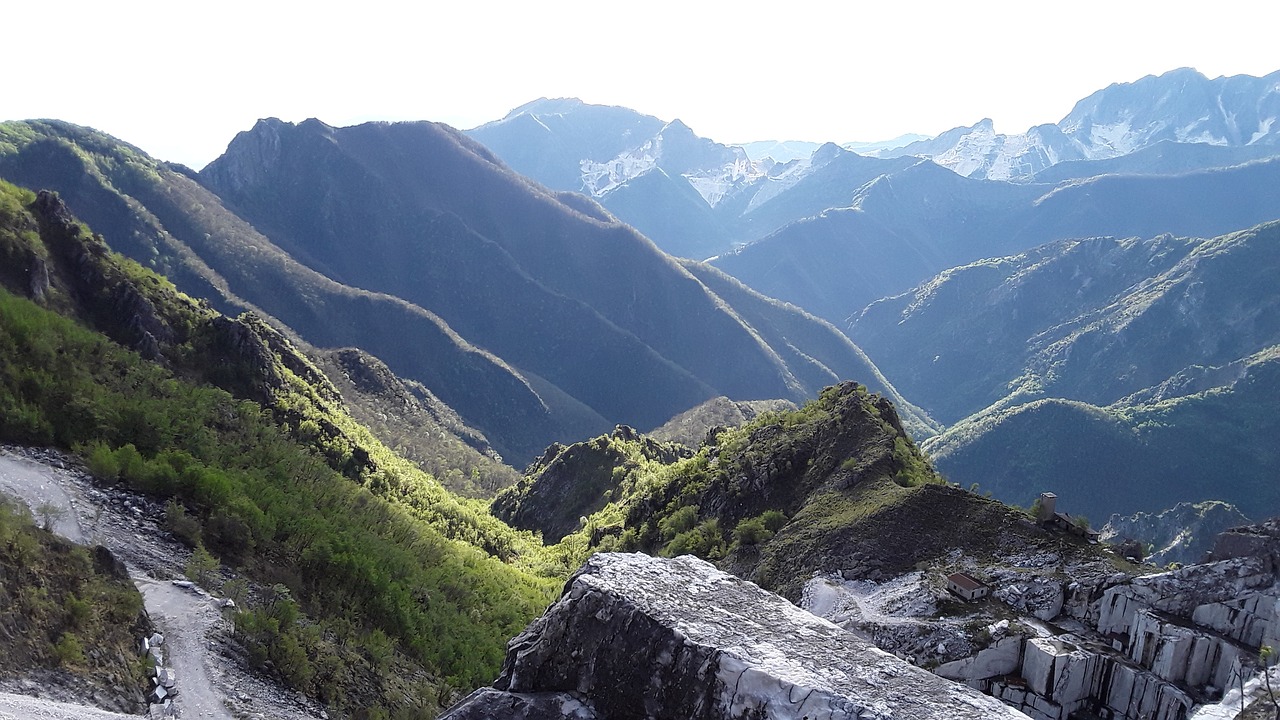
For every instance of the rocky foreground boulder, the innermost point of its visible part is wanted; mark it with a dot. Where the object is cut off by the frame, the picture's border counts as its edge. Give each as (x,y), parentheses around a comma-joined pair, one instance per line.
(640,637)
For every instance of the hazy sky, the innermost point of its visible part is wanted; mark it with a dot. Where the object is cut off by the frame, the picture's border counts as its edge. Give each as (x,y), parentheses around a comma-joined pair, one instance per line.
(179,78)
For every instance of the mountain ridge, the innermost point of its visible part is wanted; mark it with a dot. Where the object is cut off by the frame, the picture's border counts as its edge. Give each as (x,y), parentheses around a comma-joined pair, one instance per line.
(1180,105)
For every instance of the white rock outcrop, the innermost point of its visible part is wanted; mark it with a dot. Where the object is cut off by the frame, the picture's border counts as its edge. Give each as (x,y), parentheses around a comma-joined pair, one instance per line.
(635,636)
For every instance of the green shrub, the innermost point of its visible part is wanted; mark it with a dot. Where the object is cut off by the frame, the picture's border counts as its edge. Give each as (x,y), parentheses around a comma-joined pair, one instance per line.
(680,521)
(202,567)
(182,525)
(69,651)
(102,463)
(706,541)
(78,611)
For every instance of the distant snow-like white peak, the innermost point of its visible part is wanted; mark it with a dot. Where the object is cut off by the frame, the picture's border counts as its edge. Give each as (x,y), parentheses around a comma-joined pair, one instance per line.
(714,170)
(1179,106)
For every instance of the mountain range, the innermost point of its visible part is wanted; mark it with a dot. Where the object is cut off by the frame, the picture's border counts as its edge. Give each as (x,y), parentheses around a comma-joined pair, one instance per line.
(1180,106)
(324,353)
(906,226)
(692,196)
(1122,374)
(535,315)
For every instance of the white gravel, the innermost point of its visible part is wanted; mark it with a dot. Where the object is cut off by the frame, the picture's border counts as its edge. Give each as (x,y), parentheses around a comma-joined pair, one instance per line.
(23,707)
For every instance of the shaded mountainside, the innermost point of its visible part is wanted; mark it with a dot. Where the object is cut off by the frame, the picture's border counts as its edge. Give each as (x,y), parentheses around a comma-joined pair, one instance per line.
(410,419)
(835,486)
(1125,375)
(1093,320)
(544,280)
(269,473)
(166,220)
(907,226)
(1129,456)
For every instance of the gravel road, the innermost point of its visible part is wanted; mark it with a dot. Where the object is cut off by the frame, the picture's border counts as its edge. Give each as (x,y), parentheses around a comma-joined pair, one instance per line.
(24,707)
(186,620)
(35,485)
(211,683)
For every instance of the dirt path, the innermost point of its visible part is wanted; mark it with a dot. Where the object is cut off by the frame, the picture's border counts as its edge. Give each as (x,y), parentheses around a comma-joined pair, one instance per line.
(34,484)
(187,620)
(211,683)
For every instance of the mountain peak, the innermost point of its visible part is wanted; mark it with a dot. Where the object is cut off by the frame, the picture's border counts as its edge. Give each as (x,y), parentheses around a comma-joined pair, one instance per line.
(544,105)
(677,126)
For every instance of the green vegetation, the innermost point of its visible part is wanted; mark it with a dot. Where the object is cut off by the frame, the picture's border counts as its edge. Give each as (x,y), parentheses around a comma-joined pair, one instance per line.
(287,488)
(58,601)
(1104,460)
(569,483)
(771,500)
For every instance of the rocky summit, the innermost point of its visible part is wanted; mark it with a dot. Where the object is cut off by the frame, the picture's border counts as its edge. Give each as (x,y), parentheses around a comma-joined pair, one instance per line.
(634,636)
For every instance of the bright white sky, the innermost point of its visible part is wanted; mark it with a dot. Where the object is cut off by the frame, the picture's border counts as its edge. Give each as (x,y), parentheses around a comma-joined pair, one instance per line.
(179,78)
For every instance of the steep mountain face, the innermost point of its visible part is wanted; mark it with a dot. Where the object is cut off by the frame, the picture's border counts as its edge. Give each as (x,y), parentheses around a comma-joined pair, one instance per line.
(907,226)
(441,222)
(168,221)
(548,139)
(1180,106)
(692,196)
(1093,320)
(1183,534)
(422,213)
(1131,455)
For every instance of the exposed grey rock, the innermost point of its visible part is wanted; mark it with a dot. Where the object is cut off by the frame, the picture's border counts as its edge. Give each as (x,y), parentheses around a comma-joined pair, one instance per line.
(1181,534)
(1002,658)
(647,637)
(490,703)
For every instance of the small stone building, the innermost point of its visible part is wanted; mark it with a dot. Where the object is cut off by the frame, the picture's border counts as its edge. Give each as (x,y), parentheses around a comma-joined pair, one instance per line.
(967,586)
